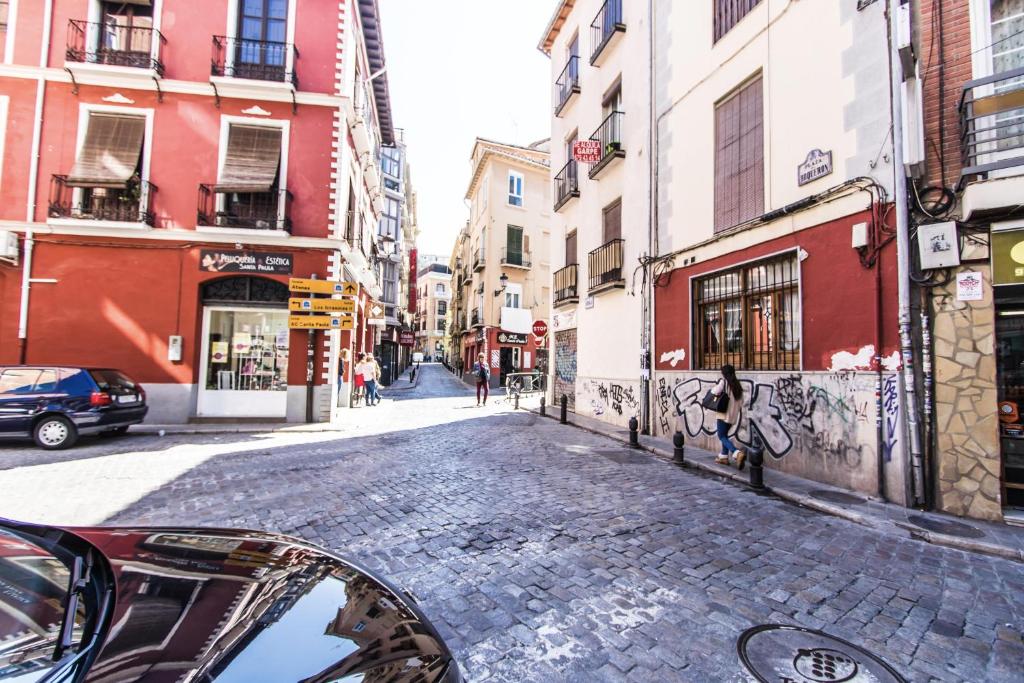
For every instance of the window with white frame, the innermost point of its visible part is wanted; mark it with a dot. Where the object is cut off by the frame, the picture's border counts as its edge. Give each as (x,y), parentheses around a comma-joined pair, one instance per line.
(440,289)
(4,10)
(485,191)
(391,218)
(391,161)
(513,295)
(515,188)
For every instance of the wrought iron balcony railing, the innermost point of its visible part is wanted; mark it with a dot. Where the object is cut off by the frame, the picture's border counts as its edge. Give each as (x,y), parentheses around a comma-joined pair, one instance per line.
(515,257)
(260,60)
(567,184)
(604,265)
(609,134)
(992,123)
(250,210)
(92,42)
(605,26)
(479,263)
(566,287)
(476,319)
(568,84)
(132,204)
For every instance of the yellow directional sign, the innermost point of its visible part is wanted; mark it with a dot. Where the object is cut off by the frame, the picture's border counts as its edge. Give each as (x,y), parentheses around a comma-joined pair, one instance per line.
(320,322)
(307,286)
(322,305)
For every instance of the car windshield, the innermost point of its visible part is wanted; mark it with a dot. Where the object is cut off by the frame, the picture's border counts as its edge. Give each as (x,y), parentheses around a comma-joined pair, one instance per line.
(113,381)
(33,586)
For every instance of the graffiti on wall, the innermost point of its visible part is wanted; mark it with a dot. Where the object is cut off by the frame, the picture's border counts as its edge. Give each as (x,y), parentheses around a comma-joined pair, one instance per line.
(565,366)
(830,414)
(614,400)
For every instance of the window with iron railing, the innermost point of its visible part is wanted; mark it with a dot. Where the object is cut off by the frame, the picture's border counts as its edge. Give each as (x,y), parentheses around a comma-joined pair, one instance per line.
(604,265)
(607,22)
(749,317)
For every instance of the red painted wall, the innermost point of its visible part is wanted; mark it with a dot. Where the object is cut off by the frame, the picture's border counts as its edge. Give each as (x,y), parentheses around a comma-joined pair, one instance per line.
(17,146)
(837,296)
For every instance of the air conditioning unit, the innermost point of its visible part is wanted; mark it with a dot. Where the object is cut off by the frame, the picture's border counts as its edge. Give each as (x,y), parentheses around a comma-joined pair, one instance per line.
(8,244)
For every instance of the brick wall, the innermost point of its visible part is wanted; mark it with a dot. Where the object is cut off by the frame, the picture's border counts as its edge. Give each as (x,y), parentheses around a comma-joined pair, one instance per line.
(943,73)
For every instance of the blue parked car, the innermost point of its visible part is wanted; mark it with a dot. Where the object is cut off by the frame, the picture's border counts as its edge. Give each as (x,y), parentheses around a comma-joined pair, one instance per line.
(55,405)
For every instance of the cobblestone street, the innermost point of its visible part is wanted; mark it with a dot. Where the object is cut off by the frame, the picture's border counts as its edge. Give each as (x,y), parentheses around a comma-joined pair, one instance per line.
(546,553)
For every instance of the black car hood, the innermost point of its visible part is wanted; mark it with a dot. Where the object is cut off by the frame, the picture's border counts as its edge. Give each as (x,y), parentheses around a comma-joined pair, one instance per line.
(228,605)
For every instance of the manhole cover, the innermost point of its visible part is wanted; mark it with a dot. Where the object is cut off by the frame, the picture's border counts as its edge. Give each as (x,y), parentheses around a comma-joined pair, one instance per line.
(774,653)
(943,526)
(837,497)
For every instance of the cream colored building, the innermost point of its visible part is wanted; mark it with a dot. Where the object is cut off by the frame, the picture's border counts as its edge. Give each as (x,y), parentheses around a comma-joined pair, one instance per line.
(501,261)
(601,92)
(433,303)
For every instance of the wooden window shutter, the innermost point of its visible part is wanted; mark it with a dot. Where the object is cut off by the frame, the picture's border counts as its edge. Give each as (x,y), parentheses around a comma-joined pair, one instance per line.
(251,160)
(613,221)
(110,152)
(739,157)
(570,249)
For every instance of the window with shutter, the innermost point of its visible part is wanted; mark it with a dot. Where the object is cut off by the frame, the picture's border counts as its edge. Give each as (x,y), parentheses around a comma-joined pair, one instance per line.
(612,221)
(570,249)
(727,13)
(739,157)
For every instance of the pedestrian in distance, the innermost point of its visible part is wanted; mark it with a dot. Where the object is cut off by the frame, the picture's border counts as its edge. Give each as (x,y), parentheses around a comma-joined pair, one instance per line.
(372,360)
(358,380)
(483,377)
(728,407)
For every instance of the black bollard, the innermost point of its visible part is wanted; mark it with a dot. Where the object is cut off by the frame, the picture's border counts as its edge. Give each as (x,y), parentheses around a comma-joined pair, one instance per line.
(634,426)
(677,448)
(516,405)
(756,458)
(543,407)
(565,410)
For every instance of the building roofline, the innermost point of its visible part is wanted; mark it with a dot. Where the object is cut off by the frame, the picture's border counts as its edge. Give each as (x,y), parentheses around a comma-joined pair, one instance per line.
(369,16)
(494,149)
(554,26)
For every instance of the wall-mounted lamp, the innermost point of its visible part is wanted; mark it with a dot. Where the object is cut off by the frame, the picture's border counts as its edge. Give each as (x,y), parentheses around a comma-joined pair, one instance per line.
(504,283)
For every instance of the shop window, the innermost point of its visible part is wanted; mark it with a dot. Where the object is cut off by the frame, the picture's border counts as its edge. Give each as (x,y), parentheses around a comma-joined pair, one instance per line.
(739,157)
(248,350)
(749,317)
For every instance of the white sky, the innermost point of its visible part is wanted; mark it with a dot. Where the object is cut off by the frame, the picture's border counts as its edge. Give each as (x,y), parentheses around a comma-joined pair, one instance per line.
(458,69)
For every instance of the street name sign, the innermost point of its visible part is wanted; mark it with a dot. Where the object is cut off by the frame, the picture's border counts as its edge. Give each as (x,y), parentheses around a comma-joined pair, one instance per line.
(320,322)
(307,286)
(322,305)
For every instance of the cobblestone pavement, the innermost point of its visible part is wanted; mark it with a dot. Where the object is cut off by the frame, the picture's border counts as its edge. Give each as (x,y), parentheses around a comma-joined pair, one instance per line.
(545,553)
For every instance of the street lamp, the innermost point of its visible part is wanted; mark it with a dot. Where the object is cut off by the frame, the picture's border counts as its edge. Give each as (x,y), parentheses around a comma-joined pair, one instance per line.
(504,283)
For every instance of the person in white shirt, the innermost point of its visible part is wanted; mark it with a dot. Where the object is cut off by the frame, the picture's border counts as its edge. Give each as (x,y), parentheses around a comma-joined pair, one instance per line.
(369,371)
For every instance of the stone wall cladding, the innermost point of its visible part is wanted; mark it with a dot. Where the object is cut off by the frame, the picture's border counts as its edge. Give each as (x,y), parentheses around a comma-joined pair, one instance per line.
(967,422)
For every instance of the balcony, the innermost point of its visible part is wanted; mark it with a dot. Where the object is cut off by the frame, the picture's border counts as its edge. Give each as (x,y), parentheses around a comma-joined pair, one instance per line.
(255,60)
(479,263)
(515,257)
(132,204)
(244,210)
(566,289)
(353,235)
(606,30)
(567,184)
(605,266)
(609,134)
(568,84)
(476,320)
(134,47)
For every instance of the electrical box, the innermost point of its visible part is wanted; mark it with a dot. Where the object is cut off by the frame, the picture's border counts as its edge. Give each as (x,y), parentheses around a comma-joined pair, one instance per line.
(174,344)
(905,39)
(8,244)
(859,235)
(938,245)
(913,128)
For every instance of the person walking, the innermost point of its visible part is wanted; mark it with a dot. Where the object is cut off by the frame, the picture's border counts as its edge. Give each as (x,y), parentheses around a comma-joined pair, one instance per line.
(369,373)
(483,377)
(729,415)
(358,381)
(376,377)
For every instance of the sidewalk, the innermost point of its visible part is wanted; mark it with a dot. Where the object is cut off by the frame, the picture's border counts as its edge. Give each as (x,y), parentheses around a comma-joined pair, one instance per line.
(991,538)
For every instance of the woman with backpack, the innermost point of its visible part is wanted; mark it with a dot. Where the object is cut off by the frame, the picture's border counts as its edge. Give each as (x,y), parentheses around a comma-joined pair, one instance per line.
(728,407)
(483,377)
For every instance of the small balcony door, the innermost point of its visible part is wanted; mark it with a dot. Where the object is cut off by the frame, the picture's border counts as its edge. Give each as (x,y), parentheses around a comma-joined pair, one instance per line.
(514,245)
(126,34)
(262,31)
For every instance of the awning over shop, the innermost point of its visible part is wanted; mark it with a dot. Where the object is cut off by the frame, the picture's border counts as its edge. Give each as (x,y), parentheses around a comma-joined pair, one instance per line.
(252,159)
(110,154)
(517,320)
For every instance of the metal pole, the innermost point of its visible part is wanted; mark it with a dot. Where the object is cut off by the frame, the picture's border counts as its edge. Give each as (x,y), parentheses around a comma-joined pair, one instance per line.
(903,246)
(310,363)
(543,406)
(564,418)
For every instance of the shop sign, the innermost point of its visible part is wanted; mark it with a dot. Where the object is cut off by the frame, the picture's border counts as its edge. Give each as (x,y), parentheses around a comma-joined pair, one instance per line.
(511,338)
(818,164)
(376,322)
(225,261)
(320,322)
(587,151)
(322,305)
(308,286)
(969,286)
(406,338)
(1007,257)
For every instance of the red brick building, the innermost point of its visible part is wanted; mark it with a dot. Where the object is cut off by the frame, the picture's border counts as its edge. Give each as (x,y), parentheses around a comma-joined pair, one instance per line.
(165,168)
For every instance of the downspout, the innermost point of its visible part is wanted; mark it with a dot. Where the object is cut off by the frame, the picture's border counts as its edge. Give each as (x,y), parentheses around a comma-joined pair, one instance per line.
(909,393)
(33,184)
(877,215)
(647,331)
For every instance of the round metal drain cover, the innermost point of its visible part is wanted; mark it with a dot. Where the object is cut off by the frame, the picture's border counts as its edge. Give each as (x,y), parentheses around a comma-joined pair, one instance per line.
(943,526)
(774,653)
(837,497)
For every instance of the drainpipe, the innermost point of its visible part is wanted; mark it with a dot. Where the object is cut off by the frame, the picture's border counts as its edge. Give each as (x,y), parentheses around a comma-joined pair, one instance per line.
(909,393)
(647,296)
(33,184)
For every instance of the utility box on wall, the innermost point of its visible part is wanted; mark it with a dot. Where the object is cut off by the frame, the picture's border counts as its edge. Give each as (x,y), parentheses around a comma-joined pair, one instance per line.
(174,346)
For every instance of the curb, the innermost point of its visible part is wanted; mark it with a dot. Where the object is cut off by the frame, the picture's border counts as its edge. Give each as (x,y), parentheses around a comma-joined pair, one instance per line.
(154,430)
(915,533)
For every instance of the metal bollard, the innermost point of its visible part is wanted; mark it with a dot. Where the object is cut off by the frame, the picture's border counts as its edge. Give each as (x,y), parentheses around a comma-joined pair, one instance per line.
(543,406)
(516,406)
(677,448)
(634,426)
(755,456)
(565,410)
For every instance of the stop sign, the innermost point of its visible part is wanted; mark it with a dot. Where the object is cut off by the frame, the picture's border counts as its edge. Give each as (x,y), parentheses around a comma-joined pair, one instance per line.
(540,328)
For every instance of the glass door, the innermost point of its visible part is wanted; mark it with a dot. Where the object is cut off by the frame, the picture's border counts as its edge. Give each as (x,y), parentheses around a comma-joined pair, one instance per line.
(1010,394)
(244,369)
(261,39)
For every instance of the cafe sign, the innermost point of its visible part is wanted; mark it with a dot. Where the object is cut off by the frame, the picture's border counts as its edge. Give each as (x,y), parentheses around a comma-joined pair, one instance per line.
(511,338)
(818,164)
(233,261)
(1007,257)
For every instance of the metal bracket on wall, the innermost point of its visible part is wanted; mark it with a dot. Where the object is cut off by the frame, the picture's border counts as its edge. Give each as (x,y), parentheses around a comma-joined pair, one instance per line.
(216,95)
(74,83)
(159,92)
(295,104)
